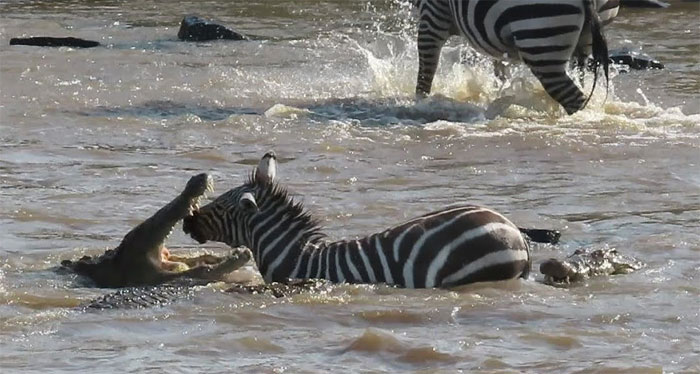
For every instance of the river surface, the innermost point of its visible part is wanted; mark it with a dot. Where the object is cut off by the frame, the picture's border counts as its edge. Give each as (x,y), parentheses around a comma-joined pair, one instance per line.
(93,141)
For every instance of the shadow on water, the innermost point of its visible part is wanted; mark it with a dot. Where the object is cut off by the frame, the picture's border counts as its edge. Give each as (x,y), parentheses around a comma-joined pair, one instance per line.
(362,111)
(393,111)
(167,109)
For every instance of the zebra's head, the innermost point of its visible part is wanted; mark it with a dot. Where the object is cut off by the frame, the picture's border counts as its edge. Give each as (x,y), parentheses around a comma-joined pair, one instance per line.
(224,219)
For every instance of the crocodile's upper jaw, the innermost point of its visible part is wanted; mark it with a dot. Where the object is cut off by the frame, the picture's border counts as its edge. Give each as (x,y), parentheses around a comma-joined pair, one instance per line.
(196,199)
(196,190)
(159,227)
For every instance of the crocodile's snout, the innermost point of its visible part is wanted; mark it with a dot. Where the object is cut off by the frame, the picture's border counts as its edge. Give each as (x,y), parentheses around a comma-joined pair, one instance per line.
(199,185)
(556,269)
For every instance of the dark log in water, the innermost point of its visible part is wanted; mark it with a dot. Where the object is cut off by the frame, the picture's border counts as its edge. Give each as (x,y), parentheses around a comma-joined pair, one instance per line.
(48,41)
(644,4)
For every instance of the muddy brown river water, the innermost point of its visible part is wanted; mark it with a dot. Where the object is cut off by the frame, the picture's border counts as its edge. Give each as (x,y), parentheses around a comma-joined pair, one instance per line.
(93,141)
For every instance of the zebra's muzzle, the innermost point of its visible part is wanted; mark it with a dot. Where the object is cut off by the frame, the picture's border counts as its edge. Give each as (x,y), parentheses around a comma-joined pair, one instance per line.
(191,226)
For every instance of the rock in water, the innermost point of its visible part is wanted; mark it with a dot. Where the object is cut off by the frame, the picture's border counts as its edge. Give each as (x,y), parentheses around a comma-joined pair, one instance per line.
(634,59)
(47,41)
(193,28)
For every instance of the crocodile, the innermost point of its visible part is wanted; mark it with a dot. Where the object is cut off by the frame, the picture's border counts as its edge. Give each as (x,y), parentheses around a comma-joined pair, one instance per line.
(141,259)
(160,295)
(583,264)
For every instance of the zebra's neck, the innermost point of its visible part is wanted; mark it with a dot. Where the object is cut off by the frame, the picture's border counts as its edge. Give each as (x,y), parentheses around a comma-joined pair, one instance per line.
(280,233)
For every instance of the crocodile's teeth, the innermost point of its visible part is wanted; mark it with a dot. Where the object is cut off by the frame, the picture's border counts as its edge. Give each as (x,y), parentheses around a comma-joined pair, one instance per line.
(194,206)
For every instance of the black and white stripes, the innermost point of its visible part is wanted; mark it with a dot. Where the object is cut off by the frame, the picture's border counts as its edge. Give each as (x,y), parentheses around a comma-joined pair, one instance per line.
(544,34)
(457,245)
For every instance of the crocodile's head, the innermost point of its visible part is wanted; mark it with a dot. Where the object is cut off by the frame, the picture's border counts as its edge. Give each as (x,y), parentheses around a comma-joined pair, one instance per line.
(583,264)
(142,258)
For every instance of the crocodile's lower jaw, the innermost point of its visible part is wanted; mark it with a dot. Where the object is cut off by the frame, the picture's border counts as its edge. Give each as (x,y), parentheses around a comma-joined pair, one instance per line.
(168,265)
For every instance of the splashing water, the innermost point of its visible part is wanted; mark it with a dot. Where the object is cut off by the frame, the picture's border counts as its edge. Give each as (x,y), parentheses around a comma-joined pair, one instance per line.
(465,76)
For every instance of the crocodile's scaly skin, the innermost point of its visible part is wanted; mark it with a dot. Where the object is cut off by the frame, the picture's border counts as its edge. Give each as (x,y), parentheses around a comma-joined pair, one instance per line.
(583,264)
(142,297)
(276,289)
(164,294)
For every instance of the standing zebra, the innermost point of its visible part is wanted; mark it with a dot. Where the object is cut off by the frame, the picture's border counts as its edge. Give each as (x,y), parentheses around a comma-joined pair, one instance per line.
(544,34)
(456,245)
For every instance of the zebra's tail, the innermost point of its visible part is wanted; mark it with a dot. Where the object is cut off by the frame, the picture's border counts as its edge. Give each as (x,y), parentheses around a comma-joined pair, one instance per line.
(538,236)
(526,271)
(599,46)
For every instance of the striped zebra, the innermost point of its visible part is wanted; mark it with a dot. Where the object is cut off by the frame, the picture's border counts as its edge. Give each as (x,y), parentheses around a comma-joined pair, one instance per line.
(457,245)
(544,34)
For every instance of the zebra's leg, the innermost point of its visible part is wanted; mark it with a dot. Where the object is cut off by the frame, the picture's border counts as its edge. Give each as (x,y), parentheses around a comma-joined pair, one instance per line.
(432,36)
(560,86)
(579,65)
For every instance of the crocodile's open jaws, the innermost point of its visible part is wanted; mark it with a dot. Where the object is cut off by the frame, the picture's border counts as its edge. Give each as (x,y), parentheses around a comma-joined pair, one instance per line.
(583,264)
(141,259)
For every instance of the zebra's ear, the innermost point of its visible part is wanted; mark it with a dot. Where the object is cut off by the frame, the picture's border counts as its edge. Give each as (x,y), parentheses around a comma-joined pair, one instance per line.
(267,168)
(247,203)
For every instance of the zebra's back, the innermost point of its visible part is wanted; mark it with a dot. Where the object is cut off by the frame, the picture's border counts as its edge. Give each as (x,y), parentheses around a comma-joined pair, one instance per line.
(493,26)
(457,245)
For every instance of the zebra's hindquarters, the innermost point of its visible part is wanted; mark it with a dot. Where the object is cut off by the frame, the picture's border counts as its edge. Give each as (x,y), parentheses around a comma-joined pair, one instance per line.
(500,254)
(458,245)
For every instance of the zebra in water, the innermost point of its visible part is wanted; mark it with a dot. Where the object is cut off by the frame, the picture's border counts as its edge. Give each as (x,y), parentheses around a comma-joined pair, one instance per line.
(457,245)
(544,34)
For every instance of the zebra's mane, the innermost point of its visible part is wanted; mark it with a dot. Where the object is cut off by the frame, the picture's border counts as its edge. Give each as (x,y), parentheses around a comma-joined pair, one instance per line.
(277,195)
